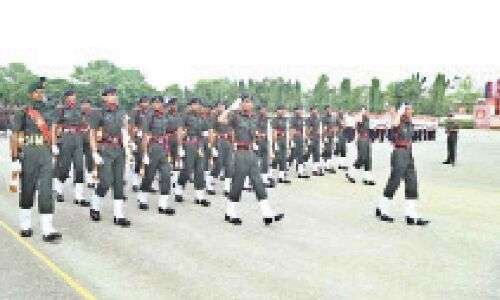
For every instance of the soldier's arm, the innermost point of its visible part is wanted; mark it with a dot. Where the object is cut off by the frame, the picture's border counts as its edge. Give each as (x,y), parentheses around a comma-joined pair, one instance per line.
(17,132)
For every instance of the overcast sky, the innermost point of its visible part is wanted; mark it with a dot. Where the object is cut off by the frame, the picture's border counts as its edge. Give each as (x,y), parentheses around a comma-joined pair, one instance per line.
(189,40)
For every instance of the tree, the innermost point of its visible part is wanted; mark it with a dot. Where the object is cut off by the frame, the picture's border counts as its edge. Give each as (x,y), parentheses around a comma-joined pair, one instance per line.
(321,92)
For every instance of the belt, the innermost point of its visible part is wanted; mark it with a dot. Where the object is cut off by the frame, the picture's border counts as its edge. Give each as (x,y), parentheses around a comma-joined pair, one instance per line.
(402,145)
(159,139)
(243,145)
(74,129)
(34,140)
(224,136)
(281,134)
(112,140)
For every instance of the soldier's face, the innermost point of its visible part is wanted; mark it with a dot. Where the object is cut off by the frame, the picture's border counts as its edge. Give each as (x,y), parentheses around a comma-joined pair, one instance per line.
(85,106)
(247,105)
(157,106)
(298,113)
(38,95)
(409,112)
(111,98)
(144,105)
(71,100)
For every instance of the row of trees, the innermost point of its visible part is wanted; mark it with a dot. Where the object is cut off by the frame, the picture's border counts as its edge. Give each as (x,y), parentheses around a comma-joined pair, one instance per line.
(89,80)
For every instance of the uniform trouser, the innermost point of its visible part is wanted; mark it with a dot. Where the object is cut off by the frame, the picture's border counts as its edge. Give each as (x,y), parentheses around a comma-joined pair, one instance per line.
(207,152)
(71,151)
(193,165)
(158,161)
(111,172)
(341,147)
(328,151)
(380,134)
(452,147)
(224,160)
(402,167)
(37,171)
(246,164)
(364,158)
(314,149)
(263,155)
(87,153)
(173,149)
(138,160)
(281,155)
(298,150)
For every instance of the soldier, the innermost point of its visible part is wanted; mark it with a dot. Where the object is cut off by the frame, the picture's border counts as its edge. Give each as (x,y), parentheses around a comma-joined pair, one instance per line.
(138,117)
(155,147)
(364,158)
(264,149)
(280,138)
(246,163)
(349,134)
(109,138)
(340,147)
(297,127)
(194,126)
(402,167)
(87,112)
(329,131)
(452,137)
(314,127)
(209,153)
(69,120)
(32,137)
(224,148)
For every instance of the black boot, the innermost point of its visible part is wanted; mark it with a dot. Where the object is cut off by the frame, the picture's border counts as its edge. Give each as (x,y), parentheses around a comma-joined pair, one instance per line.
(95,215)
(211,192)
(227,218)
(368,182)
(386,218)
(124,222)
(91,185)
(378,213)
(204,203)
(278,217)
(84,203)
(235,221)
(179,198)
(76,201)
(60,198)
(135,188)
(267,221)
(143,206)
(418,221)
(166,211)
(26,233)
(446,162)
(52,237)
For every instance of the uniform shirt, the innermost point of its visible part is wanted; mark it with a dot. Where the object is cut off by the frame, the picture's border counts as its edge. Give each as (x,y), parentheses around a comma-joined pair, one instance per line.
(262,123)
(24,123)
(297,123)
(279,124)
(174,121)
(222,128)
(244,127)
(313,125)
(451,127)
(195,125)
(138,116)
(363,129)
(110,121)
(69,116)
(329,122)
(403,133)
(155,124)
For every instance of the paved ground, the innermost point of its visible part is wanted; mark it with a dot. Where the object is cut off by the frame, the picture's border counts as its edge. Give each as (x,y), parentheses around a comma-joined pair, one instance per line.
(329,246)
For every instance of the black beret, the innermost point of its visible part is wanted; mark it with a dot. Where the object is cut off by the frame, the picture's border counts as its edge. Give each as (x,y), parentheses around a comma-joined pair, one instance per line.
(172,101)
(246,96)
(85,100)
(280,107)
(157,99)
(327,106)
(194,100)
(35,86)
(109,90)
(143,99)
(68,93)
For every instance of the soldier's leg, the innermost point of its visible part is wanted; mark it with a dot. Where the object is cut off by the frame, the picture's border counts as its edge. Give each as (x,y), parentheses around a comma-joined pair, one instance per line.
(367,173)
(29,174)
(105,178)
(255,179)
(136,177)
(282,159)
(185,173)
(227,164)
(240,172)
(63,166)
(119,198)
(147,180)
(411,195)
(45,200)
(199,181)
(398,166)
(78,170)
(163,200)
(453,151)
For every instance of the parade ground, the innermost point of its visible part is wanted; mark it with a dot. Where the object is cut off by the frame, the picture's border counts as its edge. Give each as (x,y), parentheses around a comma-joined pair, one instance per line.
(329,246)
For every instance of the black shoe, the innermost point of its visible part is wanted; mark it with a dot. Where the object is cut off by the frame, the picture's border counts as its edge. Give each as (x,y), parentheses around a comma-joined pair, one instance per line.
(90,185)
(197,201)
(248,189)
(135,188)
(315,173)
(143,206)
(76,201)
(284,181)
(321,173)
(51,237)
(179,198)
(235,221)
(351,180)
(153,191)
(226,194)
(84,203)
(95,215)
(331,171)
(418,222)
(26,233)
(446,162)
(166,211)
(386,218)
(124,222)
(271,185)
(205,203)
(343,168)
(304,176)
(227,218)
(60,198)
(368,182)
(378,213)
(278,217)
(267,221)
(211,192)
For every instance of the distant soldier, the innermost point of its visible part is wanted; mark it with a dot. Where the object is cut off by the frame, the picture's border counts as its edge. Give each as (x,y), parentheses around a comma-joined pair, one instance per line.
(32,139)
(109,141)
(224,149)
(155,147)
(280,134)
(298,145)
(69,120)
(314,126)
(329,131)
(87,113)
(138,117)
(194,126)
(341,148)
(264,144)
(452,137)
(246,163)
(402,168)
(349,134)
(175,149)
(364,159)
(210,153)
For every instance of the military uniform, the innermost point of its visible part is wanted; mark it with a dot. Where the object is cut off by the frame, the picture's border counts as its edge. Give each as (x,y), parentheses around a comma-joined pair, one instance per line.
(329,128)
(158,159)
(138,117)
(280,128)
(224,159)
(246,164)
(87,151)
(210,156)
(31,129)
(340,148)
(263,151)
(314,127)
(364,158)
(452,138)
(297,124)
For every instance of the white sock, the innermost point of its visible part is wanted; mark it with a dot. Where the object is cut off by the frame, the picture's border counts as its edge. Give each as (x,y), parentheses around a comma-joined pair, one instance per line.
(263,176)
(300,169)
(58,186)
(410,208)
(206,174)
(79,191)
(265,208)
(178,190)
(199,194)
(46,224)
(96,202)
(25,218)
(163,201)
(387,206)
(88,177)
(209,183)
(231,209)
(227,184)
(367,175)
(118,208)
(281,175)
(247,182)
(136,179)
(142,197)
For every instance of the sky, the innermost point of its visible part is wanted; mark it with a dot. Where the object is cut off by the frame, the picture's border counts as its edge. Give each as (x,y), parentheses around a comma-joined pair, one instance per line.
(183,41)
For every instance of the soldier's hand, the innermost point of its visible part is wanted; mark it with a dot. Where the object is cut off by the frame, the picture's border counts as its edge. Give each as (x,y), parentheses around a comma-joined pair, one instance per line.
(145,159)
(16,166)
(55,150)
(97,158)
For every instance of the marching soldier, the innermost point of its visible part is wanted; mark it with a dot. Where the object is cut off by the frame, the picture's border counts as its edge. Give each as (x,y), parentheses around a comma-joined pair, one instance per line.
(209,152)
(264,145)
(224,150)
(329,131)
(87,113)
(155,147)
(297,126)
(246,163)
(32,140)
(341,148)
(364,159)
(138,117)
(174,135)
(69,120)
(314,129)
(194,126)
(402,168)
(109,139)
(280,138)
(349,134)
(452,137)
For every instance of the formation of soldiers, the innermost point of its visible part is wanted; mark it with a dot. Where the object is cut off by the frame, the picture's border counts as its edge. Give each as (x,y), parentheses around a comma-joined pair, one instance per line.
(161,150)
